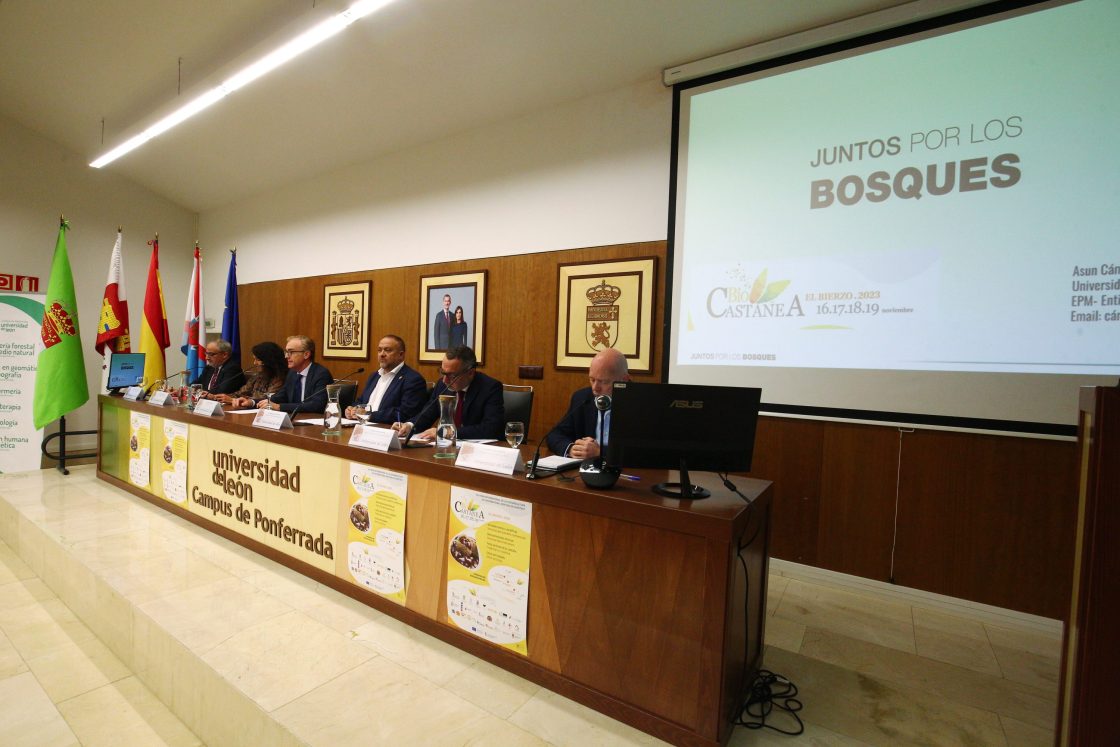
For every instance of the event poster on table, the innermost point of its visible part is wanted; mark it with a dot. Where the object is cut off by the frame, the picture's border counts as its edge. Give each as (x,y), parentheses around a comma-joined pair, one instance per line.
(139,449)
(375,529)
(172,484)
(488,539)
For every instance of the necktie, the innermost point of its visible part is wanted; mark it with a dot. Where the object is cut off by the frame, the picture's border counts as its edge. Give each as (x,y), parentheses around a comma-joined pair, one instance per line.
(214,379)
(458,410)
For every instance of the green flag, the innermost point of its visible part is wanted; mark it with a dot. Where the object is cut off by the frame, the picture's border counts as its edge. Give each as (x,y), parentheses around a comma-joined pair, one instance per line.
(60,381)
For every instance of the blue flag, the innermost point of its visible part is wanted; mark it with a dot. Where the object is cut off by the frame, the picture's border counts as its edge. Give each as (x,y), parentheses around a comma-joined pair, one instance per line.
(231,327)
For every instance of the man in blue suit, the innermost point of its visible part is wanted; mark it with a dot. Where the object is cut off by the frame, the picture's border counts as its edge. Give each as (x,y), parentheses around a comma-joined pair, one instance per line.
(480,410)
(305,389)
(578,433)
(394,393)
(441,326)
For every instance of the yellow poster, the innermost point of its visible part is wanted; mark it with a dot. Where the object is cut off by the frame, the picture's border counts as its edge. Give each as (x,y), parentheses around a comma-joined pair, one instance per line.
(488,539)
(172,462)
(285,498)
(375,529)
(139,449)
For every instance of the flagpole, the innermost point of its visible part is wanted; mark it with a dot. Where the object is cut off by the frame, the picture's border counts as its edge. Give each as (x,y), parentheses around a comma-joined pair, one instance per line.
(60,378)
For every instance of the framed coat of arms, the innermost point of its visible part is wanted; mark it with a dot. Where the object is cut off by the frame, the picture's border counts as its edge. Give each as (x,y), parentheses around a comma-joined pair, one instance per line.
(606,305)
(346,314)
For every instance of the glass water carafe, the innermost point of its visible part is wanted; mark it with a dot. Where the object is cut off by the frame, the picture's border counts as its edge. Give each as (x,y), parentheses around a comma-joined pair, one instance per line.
(332,417)
(445,431)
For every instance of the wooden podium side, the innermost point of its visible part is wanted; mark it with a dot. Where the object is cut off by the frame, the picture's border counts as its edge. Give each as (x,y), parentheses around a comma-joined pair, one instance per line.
(1090,656)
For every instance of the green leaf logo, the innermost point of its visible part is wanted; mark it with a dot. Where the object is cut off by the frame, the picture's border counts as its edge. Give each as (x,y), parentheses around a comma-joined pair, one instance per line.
(763,292)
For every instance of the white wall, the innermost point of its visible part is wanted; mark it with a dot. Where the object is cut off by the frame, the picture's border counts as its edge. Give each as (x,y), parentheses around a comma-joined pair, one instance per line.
(38,181)
(586,173)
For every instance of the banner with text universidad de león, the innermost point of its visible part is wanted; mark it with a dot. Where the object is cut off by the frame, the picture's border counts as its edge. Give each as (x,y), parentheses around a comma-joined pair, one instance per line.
(20,317)
(282,497)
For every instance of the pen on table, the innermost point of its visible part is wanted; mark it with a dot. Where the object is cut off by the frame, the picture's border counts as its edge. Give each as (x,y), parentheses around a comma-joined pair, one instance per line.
(625,476)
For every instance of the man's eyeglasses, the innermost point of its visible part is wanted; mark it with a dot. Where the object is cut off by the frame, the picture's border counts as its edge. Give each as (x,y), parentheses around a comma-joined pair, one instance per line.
(451,378)
(290,353)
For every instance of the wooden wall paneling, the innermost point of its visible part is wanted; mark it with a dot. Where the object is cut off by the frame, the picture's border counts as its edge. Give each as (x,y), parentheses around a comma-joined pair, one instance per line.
(520,320)
(856,520)
(988,518)
(834,483)
(788,453)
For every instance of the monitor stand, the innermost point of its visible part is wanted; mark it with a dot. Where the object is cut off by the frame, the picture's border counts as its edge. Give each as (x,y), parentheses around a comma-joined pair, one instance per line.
(684,490)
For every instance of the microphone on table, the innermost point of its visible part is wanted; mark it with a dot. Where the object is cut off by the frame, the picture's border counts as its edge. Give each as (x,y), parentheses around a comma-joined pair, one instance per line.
(602,404)
(531,473)
(595,472)
(320,391)
(160,382)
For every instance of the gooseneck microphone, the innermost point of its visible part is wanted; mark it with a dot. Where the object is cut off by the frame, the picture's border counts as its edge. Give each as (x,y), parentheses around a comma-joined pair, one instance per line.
(531,473)
(320,390)
(602,404)
(160,382)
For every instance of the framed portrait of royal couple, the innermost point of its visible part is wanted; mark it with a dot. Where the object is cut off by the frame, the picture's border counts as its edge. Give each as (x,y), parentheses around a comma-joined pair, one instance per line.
(452,313)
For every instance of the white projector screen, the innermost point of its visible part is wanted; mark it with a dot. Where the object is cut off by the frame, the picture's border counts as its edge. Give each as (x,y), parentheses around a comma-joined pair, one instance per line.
(918,226)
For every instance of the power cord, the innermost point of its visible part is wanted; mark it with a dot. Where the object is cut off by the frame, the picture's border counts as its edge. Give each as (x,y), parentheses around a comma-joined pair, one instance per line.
(769,690)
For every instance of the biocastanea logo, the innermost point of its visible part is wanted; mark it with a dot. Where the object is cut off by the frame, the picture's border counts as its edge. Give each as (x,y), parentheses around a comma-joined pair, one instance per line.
(758,299)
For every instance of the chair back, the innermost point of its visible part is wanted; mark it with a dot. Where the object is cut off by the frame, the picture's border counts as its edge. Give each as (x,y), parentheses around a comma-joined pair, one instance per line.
(518,402)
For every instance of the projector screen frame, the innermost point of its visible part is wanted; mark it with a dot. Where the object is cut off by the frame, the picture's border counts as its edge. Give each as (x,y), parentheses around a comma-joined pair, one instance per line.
(903,34)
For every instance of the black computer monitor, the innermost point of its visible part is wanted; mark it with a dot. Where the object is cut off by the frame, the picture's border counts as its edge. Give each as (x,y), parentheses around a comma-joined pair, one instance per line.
(685,427)
(125,370)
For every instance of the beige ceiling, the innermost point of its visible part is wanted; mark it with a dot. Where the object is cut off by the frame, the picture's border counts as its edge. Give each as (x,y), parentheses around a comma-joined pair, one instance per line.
(413,72)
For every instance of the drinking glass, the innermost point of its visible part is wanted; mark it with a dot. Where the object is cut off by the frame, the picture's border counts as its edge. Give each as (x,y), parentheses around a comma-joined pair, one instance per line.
(515,433)
(196,395)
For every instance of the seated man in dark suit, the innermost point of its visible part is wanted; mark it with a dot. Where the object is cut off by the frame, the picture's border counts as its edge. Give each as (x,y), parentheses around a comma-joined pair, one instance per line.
(394,393)
(481,408)
(305,389)
(221,375)
(576,433)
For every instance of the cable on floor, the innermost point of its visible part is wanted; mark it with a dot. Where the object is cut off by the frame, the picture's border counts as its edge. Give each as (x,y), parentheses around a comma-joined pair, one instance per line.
(770,692)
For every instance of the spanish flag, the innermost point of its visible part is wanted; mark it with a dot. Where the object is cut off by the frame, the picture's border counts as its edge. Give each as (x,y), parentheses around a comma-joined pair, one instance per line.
(154,336)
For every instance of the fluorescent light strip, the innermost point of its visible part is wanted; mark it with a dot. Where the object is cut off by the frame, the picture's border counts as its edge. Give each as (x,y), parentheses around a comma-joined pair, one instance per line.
(274,59)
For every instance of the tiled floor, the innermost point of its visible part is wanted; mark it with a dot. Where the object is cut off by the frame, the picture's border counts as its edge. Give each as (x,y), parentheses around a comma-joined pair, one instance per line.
(222,635)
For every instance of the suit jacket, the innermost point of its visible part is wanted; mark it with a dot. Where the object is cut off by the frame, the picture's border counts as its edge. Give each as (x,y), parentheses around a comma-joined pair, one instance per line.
(441,330)
(581,421)
(288,397)
(484,410)
(403,399)
(230,378)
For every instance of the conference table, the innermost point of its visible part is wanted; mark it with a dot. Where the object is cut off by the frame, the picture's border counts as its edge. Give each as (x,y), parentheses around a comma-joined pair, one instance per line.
(648,609)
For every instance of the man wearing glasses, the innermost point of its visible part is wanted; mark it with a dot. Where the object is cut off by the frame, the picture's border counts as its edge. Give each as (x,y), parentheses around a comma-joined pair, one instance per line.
(305,389)
(479,411)
(221,375)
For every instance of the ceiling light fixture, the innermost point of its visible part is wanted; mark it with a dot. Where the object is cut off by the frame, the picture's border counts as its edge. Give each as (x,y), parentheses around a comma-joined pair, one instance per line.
(274,59)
